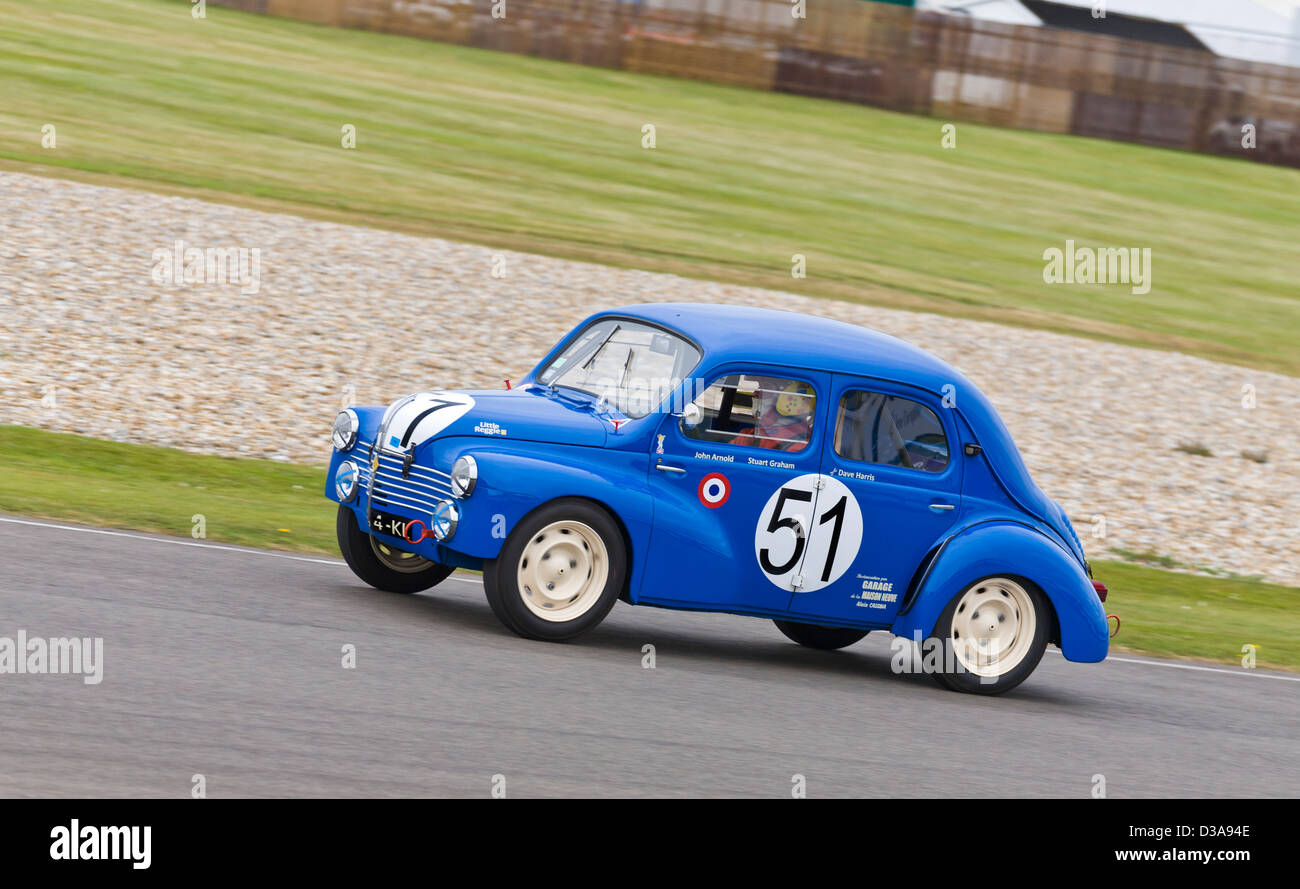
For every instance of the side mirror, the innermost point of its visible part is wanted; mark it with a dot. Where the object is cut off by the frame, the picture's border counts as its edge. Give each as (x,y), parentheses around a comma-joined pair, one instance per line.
(691,415)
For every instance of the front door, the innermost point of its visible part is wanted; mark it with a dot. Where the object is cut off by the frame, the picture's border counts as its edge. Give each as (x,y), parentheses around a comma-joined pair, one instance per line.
(891,467)
(733,502)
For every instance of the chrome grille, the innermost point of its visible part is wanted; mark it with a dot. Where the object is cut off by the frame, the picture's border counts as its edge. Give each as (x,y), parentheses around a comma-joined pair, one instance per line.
(360,455)
(418,493)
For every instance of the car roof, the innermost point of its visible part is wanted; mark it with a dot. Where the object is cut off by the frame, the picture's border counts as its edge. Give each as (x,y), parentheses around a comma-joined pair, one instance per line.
(746,333)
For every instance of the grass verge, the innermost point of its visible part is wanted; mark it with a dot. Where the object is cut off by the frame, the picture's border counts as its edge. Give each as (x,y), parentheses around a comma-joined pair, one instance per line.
(146,488)
(542,156)
(282,506)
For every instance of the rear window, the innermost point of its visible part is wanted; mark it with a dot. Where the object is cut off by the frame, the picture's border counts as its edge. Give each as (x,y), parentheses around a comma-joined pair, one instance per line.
(891,431)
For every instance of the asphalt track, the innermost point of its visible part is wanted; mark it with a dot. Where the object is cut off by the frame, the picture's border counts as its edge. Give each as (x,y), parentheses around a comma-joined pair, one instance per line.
(227,662)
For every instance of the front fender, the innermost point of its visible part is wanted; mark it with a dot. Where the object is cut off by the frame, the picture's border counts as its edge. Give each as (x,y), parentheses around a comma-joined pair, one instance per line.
(368,420)
(1015,550)
(517,477)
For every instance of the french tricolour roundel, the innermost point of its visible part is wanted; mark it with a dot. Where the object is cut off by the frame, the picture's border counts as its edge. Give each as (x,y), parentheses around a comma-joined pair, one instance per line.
(714,490)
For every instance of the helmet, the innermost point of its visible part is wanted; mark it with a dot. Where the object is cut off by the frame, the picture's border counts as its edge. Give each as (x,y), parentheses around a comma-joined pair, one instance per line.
(795,400)
(787,398)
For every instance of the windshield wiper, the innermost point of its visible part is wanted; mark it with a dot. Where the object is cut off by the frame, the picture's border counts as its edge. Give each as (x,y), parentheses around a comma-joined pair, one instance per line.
(586,364)
(627,365)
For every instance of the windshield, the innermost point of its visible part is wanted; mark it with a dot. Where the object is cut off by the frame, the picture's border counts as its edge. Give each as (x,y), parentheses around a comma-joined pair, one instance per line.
(629,365)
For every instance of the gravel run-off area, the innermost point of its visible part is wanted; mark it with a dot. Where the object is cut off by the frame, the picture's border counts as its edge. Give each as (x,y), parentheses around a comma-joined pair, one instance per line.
(91,342)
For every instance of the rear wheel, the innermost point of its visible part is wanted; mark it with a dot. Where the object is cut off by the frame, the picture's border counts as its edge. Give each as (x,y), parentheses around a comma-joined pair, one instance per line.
(382,565)
(815,636)
(559,571)
(993,635)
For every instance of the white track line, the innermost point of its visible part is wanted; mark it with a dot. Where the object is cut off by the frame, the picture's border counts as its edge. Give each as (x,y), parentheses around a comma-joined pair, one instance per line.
(274,555)
(1242,672)
(175,542)
(169,540)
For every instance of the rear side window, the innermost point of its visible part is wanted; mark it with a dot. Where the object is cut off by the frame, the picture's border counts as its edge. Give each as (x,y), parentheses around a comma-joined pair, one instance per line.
(753,411)
(891,431)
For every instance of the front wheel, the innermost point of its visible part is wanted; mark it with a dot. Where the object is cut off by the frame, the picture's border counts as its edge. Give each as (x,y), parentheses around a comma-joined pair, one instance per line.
(382,566)
(993,635)
(559,571)
(815,636)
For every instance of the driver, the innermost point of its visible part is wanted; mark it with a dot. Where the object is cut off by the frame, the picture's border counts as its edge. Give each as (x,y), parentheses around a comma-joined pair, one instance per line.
(783,412)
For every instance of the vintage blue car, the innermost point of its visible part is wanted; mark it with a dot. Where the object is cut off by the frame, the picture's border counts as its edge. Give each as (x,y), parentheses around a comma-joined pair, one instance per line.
(720,458)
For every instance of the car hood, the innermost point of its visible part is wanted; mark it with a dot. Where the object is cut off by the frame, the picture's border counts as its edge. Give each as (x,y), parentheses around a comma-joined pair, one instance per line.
(513,414)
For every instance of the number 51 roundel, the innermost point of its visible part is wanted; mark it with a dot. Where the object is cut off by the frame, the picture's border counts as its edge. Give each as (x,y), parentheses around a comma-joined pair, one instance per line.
(811,527)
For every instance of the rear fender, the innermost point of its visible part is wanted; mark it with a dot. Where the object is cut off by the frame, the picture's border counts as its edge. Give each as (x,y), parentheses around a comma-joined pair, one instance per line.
(1010,549)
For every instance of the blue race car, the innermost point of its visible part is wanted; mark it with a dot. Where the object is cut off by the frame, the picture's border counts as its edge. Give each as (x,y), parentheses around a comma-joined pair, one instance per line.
(719,458)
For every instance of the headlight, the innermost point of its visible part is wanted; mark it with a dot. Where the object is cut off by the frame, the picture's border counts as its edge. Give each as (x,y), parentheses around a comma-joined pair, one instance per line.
(464,475)
(445,519)
(345,480)
(346,425)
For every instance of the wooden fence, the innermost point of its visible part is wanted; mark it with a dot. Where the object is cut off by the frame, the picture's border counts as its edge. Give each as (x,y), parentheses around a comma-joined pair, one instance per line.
(951,67)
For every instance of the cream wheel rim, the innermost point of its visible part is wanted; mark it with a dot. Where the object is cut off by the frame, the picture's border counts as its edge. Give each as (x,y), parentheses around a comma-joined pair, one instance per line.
(562,571)
(993,627)
(398,560)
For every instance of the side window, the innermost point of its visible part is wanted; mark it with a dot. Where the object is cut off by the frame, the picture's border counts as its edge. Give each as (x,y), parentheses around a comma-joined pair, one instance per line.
(892,431)
(756,411)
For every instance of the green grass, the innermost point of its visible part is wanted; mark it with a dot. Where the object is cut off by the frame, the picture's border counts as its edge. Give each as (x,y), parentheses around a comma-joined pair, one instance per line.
(542,156)
(146,488)
(276,505)
(1210,618)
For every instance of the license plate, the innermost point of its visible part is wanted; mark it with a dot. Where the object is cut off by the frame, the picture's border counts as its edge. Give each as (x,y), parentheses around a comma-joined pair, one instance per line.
(386,523)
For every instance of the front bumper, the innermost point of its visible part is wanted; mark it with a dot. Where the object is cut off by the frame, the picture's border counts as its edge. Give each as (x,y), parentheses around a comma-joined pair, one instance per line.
(385,485)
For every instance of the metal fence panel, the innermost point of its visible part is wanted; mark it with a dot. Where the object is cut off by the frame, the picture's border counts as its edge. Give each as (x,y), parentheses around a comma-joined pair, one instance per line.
(876,54)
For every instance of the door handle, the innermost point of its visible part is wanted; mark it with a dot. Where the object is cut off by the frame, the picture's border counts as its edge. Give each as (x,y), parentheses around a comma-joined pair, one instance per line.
(665,468)
(938,507)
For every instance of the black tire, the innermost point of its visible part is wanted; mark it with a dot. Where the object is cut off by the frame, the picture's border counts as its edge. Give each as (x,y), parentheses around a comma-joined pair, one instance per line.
(359,552)
(557,529)
(954,676)
(819,637)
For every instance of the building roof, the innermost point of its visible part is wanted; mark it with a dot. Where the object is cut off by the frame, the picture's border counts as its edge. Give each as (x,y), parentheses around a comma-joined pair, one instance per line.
(1242,29)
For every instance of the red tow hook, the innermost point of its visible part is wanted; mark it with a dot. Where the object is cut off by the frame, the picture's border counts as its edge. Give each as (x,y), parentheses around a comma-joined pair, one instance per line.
(424,532)
(1101,594)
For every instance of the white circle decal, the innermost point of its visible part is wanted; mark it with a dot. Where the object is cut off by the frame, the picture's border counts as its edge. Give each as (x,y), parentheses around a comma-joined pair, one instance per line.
(418,418)
(809,533)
